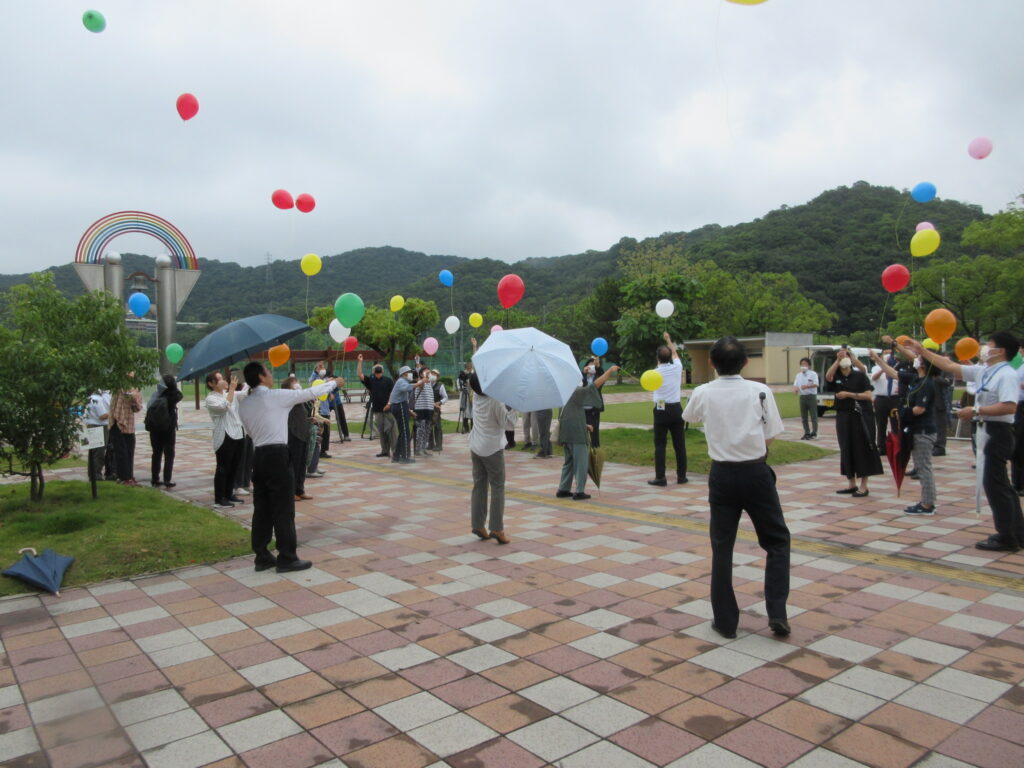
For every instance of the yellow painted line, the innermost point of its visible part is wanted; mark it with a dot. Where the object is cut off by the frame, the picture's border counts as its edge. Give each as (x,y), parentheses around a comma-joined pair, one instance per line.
(812,546)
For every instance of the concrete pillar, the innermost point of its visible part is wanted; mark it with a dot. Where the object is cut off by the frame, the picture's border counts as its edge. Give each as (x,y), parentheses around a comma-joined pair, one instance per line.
(113,275)
(166,309)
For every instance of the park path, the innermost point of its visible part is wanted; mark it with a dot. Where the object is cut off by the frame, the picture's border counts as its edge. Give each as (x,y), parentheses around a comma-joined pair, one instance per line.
(585,642)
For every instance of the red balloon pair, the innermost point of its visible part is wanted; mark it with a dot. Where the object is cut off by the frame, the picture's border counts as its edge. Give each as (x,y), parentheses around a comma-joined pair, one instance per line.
(282,199)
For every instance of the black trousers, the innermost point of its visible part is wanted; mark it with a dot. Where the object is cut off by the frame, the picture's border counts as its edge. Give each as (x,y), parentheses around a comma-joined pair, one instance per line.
(666,422)
(228,456)
(162,443)
(297,449)
(339,410)
(400,450)
(243,475)
(1005,503)
(1017,465)
(109,457)
(883,405)
(733,488)
(124,453)
(273,502)
(544,429)
(593,417)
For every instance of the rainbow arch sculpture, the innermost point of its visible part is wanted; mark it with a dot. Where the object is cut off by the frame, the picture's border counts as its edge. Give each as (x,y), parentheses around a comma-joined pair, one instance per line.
(102,231)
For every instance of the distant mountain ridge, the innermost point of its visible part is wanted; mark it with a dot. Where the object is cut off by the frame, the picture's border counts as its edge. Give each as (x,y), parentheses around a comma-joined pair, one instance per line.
(836,245)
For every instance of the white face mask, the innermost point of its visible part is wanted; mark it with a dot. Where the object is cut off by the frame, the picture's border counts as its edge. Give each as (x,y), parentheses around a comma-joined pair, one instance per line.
(985,353)
(433,378)
(845,363)
(804,369)
(407,376)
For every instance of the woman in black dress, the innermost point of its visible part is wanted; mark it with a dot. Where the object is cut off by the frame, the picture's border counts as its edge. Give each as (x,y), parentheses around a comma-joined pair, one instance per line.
(858,456)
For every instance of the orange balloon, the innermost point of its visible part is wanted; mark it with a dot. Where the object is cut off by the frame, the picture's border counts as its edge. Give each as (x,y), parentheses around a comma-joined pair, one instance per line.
(966,348)
(279,355)
(940,325)
(901,340)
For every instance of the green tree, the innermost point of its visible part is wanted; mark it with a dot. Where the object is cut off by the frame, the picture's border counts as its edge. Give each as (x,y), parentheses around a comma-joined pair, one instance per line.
(1002,235)
(53,353)
(651,257)
(395,336)
(639,329)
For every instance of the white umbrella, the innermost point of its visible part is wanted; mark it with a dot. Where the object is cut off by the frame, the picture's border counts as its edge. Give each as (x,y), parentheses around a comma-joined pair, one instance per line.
(526,369)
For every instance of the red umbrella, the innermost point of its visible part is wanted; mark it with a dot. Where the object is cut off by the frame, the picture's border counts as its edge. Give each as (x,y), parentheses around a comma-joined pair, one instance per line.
(898,443)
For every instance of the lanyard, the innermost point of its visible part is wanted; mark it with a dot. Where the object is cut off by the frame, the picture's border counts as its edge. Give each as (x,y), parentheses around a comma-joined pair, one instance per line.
(986,379)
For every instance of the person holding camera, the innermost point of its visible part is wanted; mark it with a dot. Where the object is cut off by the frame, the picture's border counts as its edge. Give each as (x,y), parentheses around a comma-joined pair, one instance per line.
(855,427)
(592,371)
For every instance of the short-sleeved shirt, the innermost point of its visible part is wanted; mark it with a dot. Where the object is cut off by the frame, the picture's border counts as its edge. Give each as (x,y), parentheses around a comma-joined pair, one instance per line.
(883,385)
(738,417)
(380,391)
(401,391)
(921,394)
(671,381)
(488,434)
(805,380)
(996,384)
(854,381)
(1020,384)
(572,422)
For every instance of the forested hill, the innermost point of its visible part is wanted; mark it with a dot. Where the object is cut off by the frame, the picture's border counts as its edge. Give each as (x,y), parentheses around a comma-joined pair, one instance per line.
(836,246)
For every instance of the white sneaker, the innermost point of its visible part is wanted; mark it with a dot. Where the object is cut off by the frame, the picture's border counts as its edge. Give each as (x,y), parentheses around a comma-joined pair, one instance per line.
(243,491)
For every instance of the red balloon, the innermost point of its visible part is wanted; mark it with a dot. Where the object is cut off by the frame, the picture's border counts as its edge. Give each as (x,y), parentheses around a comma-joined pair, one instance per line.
(510,290)
(895,278)
(305,202)
(282,199)
(351,343)
(188,106)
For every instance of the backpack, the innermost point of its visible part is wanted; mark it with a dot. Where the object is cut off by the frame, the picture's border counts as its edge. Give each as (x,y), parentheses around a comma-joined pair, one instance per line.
(158,416)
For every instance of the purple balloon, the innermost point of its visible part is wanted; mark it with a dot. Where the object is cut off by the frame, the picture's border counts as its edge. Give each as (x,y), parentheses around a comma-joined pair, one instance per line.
(980,148)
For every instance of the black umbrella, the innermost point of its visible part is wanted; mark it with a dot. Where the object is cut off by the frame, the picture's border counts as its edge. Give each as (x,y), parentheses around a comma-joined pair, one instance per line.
(45,571)
(239,340)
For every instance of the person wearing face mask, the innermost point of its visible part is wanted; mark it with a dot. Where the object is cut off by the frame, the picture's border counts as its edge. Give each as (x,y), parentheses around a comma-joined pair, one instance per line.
(1017,465)
(440,398)
(806,387)
(918,414)
(423,403)
(398,406)
(591,372)
(994,409)
(380,387)
(887,391)
(855,426)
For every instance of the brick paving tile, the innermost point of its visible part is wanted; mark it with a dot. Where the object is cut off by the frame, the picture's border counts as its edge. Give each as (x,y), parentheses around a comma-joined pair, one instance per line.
(585,642)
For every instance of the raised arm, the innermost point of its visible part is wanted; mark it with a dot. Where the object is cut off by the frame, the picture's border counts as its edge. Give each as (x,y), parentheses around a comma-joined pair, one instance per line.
(600,380)
(671,345)
(939,361)
(359,367)
(887,369)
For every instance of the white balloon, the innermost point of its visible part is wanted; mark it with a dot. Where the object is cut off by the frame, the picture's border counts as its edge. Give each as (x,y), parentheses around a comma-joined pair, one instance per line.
(451,324)
(338,331)
(664,308)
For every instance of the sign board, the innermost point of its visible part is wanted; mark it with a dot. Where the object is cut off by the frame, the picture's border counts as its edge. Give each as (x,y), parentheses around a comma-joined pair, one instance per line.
(91,437)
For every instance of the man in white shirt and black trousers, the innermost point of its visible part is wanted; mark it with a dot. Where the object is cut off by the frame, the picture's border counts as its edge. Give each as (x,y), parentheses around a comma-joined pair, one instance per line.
(668,414)
(740,420)
(264,413)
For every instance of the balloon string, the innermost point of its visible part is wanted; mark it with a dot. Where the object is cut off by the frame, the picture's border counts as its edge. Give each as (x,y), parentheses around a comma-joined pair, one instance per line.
(881,319)
(896,226)
(307,299)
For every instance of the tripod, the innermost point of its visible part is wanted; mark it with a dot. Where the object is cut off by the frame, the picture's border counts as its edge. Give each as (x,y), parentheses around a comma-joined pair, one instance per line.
(464,424)
(368,421)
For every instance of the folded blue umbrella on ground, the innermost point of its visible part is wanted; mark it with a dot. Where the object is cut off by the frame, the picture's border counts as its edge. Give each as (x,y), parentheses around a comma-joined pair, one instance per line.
(45,571)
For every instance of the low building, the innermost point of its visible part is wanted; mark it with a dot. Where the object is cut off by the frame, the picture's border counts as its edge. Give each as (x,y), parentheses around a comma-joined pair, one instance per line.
(774,357)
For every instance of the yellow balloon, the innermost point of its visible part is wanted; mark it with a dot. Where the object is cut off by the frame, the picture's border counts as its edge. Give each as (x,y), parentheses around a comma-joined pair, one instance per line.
(310,264)
(476,319)
(397,302)
(651,380)
(317,383)
(931,344)
(925,243)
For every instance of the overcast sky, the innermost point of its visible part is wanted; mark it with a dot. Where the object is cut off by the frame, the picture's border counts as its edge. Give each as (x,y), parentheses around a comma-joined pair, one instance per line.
(500,128)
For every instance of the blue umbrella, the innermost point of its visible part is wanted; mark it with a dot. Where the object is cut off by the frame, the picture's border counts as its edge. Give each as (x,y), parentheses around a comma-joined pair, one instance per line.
(45,571)
(239,340)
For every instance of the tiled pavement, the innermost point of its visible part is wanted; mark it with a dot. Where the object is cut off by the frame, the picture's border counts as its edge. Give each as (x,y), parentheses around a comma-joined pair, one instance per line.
(586,642)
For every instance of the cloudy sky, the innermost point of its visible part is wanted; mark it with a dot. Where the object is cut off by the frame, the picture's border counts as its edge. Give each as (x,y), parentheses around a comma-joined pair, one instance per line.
(500,128)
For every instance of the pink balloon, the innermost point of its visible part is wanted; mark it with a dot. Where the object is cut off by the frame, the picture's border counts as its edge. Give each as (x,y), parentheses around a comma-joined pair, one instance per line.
(924,225)
(980,148)
(430,345)
(496,328)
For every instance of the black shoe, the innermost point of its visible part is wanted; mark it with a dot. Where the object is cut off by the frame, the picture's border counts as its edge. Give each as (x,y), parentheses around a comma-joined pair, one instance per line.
(263,564)
(528,446)
(814,435)
(847,490)
(580,496)
(222,504)
(293,565)
(682,480)
(806,436)
(381,455)
(859,494)
(169,485)
(236,500)
(993,544)
(723,633)
(918,509)
(938,452)
(659,481)
(326,456)
(912,474)
(563,494)
(779,627)
(156,483)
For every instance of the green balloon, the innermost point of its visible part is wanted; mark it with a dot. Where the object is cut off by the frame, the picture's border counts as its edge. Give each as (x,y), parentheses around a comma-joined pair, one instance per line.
(94,21)
(349,309)
(174,353)
(1017,361)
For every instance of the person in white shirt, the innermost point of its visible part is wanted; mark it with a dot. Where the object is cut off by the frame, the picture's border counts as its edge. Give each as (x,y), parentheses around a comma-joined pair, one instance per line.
(886,397)
(806,387)
(97,414)
(228,436)
(994,409)
(668,414)
(1017,465)
(486,449)
(264,413)
(740,420)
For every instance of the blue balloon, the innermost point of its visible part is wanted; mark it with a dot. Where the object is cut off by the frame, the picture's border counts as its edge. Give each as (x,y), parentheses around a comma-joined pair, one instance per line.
(138,303)
(923,192)
(447,278)
(599,347)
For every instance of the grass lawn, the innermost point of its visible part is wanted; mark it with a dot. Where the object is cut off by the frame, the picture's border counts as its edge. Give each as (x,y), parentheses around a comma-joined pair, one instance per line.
(65,463)
(641,413)
(636,446)
(125,532)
